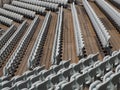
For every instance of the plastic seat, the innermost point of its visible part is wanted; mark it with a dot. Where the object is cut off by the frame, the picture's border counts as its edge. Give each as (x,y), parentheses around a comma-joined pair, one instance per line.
(107,76)
(45,85)
(23,84)
(56,68)
(94,85)
(57,78)
(72,85)
(65,63)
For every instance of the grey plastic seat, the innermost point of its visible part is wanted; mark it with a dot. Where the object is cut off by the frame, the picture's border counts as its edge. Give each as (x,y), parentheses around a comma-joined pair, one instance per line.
(66,63)
(38,69)
(117,68)
(68,72)
(29,73)
(56,68)
(104,86)
(45,85)
(94,85)
(99,70)
(74,76)
(87,78)
(48,72)
(5,84)
(115,79)
(92,73)
(86,69)
(18,78)
(58,86)
(96,63)
(14,87)
(45,72)
(116,55)
(91,59)
(34,78)
(95,57)
(23,84)
(57,78)
(4,78)
(72,85)
(78,67)
(112,61)
(107,76)
(80,79)
(108,67)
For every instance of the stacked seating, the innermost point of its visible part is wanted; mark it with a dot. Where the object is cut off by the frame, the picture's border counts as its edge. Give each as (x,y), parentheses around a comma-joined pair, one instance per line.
(60,2)
(56,51)
(22,11)
(110,11)
(66,76)
(16,57)
(5,37)
(5,21)
(11,15)
(35,8)
(78,34)
(101,31)
(11,42)
(49,6)
(33,60)
(110,82)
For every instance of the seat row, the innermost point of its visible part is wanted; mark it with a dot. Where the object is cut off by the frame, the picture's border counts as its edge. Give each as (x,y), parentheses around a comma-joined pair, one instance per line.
(111,12)
(16,57)
(77,82)
(66,76)
(98,25)
(33,60)
(29,77)
(56,51)
(70,79)
(77,32)
(60,2)
(41,76)
(35,8)
(5,37)
(5,21)
(49,6)
(12,41)
(22,11)
(111,81)
(12,15)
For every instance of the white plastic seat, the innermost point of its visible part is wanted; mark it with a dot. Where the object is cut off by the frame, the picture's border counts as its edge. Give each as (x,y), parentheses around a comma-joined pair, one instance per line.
(11,15)
(25,12)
